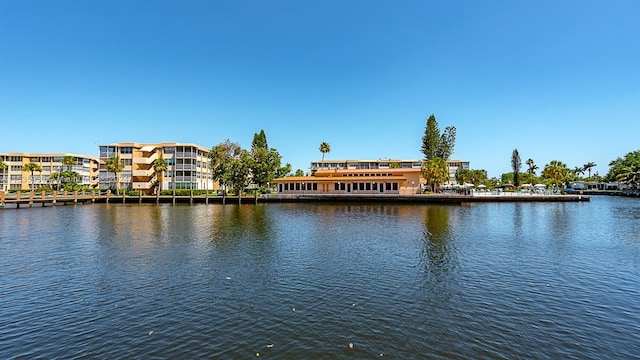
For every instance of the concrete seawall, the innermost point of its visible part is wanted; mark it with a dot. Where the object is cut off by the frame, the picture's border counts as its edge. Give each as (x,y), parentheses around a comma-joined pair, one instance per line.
(421,198)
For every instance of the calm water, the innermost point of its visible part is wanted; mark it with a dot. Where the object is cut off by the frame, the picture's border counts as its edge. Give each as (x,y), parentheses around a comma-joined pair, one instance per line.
(492,281)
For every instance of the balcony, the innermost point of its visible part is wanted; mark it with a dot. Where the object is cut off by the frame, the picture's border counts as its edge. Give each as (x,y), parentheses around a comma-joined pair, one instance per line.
(143,173)
(146,160)
(142,185)
(184,167)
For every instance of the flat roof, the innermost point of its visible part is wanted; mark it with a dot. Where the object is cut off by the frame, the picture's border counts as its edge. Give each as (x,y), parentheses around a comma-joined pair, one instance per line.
(23,154)
(155,145)
(379,160)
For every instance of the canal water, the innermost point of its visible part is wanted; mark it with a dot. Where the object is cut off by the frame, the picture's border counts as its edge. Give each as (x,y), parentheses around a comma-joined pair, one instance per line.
(303,281)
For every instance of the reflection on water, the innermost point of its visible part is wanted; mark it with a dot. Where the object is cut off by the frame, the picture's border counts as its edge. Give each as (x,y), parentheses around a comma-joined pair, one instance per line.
(438,253)
(407,281)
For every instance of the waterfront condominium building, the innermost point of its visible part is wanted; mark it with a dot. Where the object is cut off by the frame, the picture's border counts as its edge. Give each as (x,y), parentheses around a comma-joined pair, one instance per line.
(15,178)
(453,165)
(187,167)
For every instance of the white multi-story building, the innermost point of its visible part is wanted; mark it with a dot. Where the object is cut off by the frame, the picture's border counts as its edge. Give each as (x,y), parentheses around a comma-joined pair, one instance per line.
(187,166)
(15,178)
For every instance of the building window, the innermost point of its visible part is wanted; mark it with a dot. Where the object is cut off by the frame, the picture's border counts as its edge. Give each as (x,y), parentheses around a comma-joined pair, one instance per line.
(315,186)
(374,186)
(395,186)
(126,150)
(388,186)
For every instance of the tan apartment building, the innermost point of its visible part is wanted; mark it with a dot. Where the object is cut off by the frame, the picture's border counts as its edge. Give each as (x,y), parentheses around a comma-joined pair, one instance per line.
(14,178)
(187,167)
(454,166)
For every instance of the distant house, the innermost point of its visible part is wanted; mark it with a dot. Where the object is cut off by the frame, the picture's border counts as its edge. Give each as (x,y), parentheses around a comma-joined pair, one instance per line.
(592,185)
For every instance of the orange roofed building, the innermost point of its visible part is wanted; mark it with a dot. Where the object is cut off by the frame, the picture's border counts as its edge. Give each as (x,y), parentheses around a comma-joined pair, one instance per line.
(355,177)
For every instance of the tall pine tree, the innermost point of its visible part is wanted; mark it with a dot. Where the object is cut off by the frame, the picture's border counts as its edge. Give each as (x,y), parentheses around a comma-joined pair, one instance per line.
(515,165)
(431,138)
(436,145)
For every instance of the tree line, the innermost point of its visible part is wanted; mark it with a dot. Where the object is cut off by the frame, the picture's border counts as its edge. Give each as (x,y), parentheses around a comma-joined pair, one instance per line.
(235,168)
(438,146)
(625,170)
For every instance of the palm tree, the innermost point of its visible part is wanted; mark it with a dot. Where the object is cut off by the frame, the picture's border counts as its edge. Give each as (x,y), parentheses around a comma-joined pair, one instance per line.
(435,172)
(32,167)
(69,161)
(324,148)
(577,171)
(588,166)
(556,170)
(159,166)
(115,165)
(630,175)
(532,166)
(69,176)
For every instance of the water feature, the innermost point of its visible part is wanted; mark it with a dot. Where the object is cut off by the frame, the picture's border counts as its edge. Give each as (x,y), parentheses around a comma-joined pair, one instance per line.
(504,280)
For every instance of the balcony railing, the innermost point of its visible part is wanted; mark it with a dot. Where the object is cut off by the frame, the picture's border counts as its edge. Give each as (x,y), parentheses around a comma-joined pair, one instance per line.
(143,173)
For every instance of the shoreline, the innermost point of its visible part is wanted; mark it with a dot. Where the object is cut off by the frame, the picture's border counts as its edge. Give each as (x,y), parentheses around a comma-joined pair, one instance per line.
(423,198)
(72,199)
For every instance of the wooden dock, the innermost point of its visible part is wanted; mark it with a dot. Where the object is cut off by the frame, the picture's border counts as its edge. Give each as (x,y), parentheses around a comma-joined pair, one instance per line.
(31,198)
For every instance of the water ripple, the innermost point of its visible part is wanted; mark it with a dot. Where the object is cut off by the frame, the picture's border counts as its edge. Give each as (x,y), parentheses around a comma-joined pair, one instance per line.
(494,281)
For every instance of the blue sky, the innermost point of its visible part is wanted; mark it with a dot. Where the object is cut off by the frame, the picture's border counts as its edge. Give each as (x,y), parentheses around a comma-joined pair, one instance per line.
(554,79)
